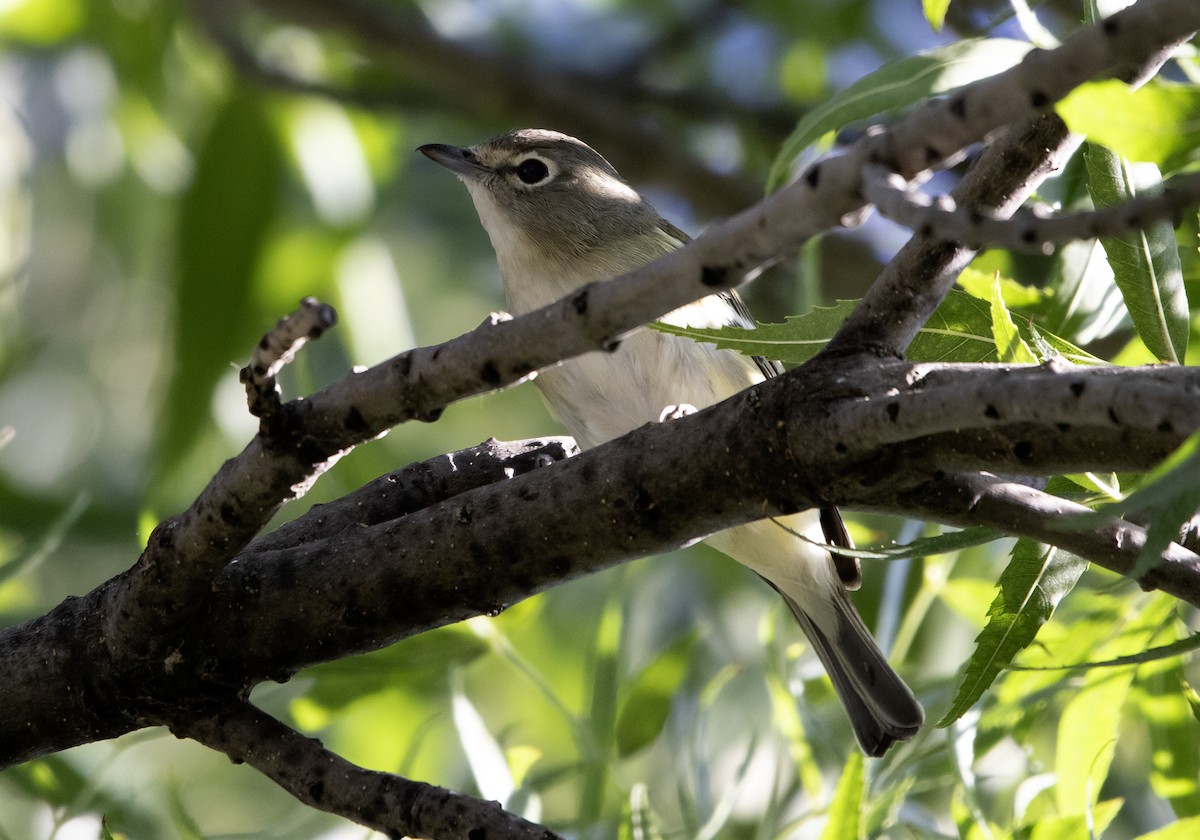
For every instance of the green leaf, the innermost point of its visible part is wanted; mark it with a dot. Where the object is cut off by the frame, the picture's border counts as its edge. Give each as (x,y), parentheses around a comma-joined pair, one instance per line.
(935,12)
(1157,123)
(915,549)
(484,754)
(1050,346)
(1087,736)
(36,554)
(1015,295)
(1090,722)
(41,22)
(1145,263)
(602,712)
(1150,655)
(1035,580)
(896,85)
(1174,735)
(1187,829)
(420,663)
(847,804)
(638,820)
(1010,347)
(1169,496)
(959,331)
(223,223)
(648,703)
(1074,827)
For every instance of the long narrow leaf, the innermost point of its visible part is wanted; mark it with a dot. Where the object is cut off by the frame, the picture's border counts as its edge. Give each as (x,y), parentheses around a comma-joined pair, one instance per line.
(1145,262)
(1157,123)
(960,330)
(913,550)
(896,85)
(1174,736)
(1035,581)
(845,811)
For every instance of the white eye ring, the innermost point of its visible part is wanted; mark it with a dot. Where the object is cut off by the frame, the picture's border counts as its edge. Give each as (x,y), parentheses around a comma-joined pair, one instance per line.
(534,170)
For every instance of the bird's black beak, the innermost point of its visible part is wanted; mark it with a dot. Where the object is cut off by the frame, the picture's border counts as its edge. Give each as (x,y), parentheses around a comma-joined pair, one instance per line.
(458,160)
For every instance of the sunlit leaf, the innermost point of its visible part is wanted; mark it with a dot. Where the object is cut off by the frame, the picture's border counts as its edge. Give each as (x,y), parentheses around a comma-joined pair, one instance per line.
(1157,123)
(1186,829)
(41,22)
(1087,734)
(846,808)
(602,713)
(896,85)
(484,754)
(1169,496)
(421,663)
(935,12)
(1145,262)
(1010,346)
(1035,580)
(1074,827)
(648,702)
(1015,295)
(802,70)
(638,820)
(786,713)
(1090,722)
(960,330)
(1174,735)
(1150,655)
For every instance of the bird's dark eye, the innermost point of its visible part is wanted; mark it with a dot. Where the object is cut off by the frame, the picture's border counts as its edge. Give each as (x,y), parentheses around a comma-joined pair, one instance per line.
(532,170)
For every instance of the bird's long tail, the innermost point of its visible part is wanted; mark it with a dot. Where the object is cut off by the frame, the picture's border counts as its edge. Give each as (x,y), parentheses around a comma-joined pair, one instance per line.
(881,708)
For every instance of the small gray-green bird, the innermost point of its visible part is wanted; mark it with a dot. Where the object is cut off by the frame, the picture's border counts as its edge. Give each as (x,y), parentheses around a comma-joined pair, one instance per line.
(559,217)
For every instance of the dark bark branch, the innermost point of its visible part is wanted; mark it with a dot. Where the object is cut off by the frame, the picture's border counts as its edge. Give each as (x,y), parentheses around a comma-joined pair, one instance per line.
(919,277)
(1017,509)
(69,647)
(391,804)
(803,439)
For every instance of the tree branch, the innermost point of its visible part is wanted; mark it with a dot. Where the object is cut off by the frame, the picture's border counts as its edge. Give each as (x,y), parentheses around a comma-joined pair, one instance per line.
(317,777)
(919,277)
(1113,543)
(1034,230)
(807,438)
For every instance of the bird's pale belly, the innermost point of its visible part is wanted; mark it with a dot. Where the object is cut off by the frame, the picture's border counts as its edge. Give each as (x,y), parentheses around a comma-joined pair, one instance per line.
(601,396)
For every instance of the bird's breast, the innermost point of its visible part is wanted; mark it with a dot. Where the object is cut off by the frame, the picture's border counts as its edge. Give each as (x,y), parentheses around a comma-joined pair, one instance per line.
(600,396)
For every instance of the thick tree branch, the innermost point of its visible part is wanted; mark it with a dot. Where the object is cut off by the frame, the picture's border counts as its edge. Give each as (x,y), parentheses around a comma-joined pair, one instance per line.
(919,277)
(800,440)
(391,804)
(1115,544)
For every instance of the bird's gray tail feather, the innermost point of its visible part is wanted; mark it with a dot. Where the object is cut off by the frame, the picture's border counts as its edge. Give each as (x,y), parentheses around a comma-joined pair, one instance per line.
(882,709)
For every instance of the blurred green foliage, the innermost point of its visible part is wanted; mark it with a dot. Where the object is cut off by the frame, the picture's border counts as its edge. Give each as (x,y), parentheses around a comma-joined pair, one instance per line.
(159,210)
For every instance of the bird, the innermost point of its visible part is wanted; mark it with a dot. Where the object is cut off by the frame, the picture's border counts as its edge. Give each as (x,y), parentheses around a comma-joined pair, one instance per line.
(559,216)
